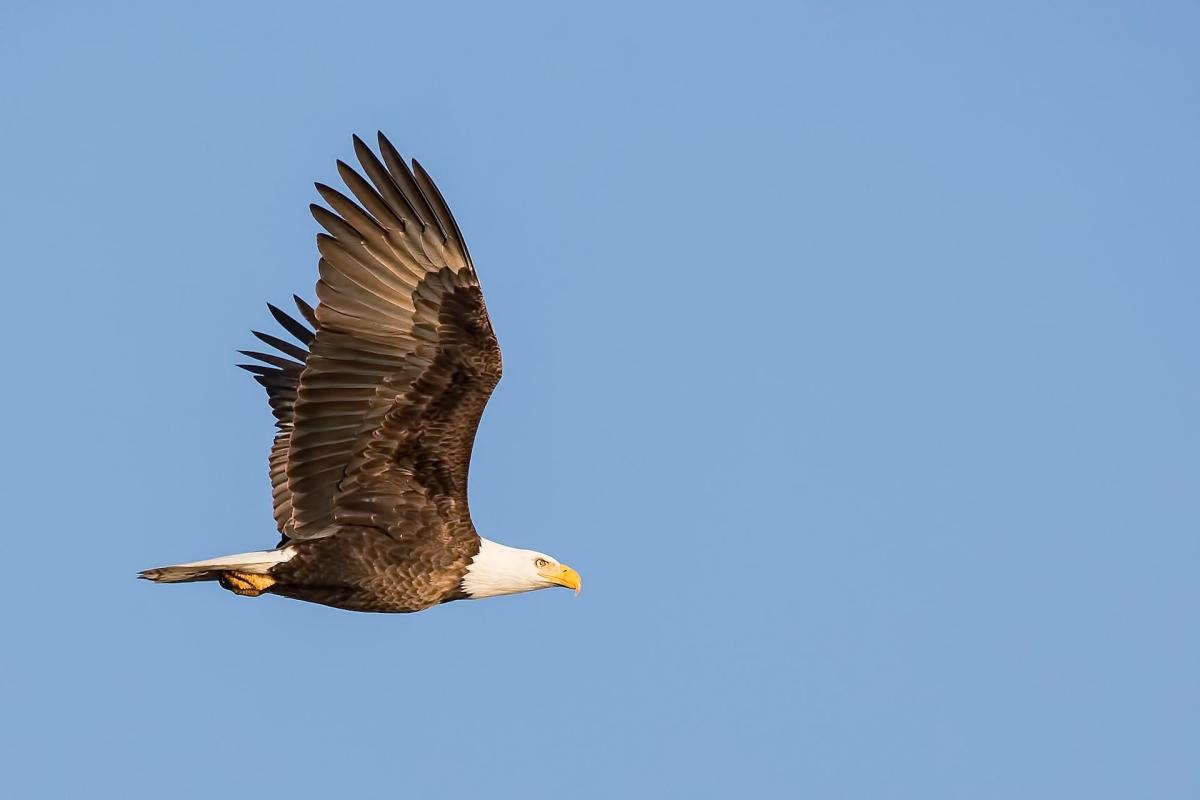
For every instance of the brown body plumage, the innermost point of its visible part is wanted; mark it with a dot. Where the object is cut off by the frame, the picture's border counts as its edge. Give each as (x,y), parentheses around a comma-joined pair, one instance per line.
(377,405)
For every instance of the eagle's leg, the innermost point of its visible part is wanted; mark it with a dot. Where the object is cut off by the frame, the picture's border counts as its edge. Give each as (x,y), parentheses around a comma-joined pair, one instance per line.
(246,584)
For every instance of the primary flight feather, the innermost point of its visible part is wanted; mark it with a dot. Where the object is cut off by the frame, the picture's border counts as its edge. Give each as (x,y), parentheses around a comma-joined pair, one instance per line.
(376,409)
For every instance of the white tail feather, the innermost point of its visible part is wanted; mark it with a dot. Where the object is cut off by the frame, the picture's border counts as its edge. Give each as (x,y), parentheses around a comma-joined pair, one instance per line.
(257,563)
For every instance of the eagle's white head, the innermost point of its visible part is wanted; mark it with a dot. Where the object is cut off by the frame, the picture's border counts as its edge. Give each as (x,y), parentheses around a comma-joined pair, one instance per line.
(499,569)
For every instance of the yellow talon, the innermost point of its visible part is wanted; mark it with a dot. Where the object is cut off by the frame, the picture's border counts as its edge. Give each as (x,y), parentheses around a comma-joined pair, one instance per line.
(245,583)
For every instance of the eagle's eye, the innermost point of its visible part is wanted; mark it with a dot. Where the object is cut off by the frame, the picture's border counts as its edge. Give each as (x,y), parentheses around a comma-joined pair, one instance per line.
(540,563)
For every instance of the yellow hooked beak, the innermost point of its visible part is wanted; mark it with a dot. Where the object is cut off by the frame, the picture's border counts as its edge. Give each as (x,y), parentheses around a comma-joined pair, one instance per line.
(562,575)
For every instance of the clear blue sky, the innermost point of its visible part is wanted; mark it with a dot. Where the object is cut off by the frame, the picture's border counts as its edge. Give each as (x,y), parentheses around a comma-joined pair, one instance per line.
(851,355)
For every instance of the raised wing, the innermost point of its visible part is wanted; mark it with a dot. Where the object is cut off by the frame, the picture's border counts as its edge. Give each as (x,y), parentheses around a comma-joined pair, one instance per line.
(402,362)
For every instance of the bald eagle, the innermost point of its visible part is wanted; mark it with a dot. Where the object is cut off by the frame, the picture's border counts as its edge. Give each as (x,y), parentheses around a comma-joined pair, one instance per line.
(376,409)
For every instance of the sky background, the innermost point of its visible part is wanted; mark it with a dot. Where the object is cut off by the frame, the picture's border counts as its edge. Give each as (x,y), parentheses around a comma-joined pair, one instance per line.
(850,355)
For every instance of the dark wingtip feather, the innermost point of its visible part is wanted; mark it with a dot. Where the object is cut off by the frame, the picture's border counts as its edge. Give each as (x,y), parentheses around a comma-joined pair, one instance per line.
(411,187)
(298,353)
(291,325)
(433,196)
(391,155)
(384,141)
(359,146)
(306,311)
(273,360)
(326,191)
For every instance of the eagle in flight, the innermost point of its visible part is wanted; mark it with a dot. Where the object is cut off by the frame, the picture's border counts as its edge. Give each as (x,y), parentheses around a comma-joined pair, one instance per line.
(376,409)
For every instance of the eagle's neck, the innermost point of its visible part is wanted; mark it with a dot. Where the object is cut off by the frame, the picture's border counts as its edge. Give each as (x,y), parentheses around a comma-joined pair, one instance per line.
(499,569)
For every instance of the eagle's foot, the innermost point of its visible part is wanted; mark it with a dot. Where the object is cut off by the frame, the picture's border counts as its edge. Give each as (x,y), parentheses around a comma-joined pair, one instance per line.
(245,583)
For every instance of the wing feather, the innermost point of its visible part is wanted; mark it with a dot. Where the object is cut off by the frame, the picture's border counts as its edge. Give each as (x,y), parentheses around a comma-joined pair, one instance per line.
(281,378)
